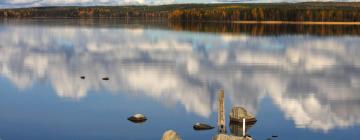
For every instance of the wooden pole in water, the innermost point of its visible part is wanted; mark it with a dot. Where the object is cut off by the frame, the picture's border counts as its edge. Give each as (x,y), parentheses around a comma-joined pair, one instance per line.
(221,112)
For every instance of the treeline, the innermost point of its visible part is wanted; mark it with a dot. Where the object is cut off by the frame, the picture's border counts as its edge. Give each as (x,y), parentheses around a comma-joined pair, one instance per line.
(311,11)
(82,12)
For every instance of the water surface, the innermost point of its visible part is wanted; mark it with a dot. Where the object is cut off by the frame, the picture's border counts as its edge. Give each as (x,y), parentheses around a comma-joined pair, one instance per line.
(302,82)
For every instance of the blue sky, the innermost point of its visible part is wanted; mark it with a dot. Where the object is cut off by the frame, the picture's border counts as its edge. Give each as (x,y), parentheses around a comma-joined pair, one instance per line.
(29,3)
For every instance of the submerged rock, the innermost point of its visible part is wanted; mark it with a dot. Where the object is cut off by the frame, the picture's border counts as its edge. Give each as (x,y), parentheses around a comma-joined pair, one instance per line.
(201,126)
(82,77)
(137,118)
(274,136)
(228,137)
(170,135)
(236,128)
(238,113)
(106,78)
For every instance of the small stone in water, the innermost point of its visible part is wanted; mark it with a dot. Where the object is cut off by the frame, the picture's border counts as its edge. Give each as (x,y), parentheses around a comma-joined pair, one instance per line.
(274,136)
(82,77)
(137,118)
(106,78)
(201,126)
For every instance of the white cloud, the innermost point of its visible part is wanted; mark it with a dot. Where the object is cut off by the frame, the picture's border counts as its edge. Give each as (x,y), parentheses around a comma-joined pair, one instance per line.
(185,68)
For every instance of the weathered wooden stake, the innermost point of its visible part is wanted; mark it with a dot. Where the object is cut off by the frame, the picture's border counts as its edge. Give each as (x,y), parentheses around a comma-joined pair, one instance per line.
(221,112)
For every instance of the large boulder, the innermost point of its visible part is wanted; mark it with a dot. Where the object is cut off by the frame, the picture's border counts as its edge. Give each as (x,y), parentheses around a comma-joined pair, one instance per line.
(238,113)
(170,135)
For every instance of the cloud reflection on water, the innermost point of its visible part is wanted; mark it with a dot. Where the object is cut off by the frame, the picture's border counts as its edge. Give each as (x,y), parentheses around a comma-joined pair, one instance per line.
(315,81)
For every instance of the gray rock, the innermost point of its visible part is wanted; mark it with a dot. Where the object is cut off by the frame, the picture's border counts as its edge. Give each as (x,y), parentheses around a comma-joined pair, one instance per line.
(170,135)
(238,113)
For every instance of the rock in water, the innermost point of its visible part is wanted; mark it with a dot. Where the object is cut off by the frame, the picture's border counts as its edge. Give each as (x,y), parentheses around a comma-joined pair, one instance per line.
(137,118)
(201,126)
(106,78)
(238,113)
(236,128)
(82,77)
(228,137)
(170,135)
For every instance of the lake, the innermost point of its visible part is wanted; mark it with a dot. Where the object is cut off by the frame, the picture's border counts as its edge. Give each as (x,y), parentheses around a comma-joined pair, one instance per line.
(301,81)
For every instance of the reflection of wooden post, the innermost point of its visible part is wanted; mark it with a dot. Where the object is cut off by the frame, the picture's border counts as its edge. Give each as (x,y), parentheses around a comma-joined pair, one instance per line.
(221,112)
(244,134)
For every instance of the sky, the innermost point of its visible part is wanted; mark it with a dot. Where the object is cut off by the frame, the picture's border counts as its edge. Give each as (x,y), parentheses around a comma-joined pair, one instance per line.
(37,3)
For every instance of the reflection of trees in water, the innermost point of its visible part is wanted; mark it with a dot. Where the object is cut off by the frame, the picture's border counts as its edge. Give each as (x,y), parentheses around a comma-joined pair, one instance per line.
(213,27)
(267,29)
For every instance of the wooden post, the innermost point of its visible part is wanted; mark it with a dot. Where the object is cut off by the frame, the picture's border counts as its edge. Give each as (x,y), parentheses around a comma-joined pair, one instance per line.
(221,112)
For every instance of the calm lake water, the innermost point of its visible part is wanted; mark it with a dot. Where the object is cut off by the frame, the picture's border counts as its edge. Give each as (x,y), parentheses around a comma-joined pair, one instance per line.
(301,81)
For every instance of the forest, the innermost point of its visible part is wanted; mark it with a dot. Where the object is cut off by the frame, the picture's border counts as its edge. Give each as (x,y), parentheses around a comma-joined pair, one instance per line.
(308,11)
